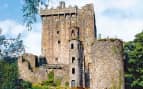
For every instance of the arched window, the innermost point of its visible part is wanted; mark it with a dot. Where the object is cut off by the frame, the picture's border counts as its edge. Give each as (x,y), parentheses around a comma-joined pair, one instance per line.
(72,46)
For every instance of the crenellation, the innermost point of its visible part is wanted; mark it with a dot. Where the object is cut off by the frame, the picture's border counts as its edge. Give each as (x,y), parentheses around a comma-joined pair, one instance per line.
(58,12)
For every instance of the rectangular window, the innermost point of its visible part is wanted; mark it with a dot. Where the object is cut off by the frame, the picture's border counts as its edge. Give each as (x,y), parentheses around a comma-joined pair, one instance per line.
(56,59)
(73,59)
(72,46)
(73,70)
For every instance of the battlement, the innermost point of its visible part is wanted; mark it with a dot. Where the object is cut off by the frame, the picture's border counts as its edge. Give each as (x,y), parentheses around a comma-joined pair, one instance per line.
(110,39)
(58,11)
(62,10)
(109,44)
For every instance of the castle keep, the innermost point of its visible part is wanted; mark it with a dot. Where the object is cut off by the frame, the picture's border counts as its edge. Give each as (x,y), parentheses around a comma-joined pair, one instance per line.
(70,49)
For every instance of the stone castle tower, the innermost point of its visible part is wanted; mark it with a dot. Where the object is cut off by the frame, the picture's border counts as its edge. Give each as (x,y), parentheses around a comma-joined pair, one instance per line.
(64,26)
(66,31)
(71,50)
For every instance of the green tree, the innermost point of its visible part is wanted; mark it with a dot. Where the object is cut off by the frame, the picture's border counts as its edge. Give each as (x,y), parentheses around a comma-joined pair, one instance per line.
(134,63)
(9,76)
(30,11)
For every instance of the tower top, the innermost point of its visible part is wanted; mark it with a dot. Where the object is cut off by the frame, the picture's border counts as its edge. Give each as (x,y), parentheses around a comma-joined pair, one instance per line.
(62,9)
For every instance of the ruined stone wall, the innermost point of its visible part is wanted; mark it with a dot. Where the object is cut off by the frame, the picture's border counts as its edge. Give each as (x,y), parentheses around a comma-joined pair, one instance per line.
(106,68)
(62,74)
(36,74)
(28,70)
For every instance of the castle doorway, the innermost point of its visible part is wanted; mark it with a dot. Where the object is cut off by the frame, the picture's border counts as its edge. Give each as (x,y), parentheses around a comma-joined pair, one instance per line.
(73,83)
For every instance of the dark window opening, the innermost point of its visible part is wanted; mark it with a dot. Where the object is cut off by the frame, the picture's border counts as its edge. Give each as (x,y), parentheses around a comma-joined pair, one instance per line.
(73,83)
(56,59)
(59,41)
(73,59)
(72,46)
(36,62)
(73,70)
(72,32)
(42,61)
(58,32)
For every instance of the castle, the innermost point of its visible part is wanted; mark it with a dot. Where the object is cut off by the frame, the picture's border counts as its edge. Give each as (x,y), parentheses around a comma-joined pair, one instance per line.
(71,49)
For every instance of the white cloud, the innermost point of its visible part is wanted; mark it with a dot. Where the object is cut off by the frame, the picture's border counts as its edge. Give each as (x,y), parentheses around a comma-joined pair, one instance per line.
(55,3)
(122,29)
(124,24)
(32,39)
(79,2)
(11,28)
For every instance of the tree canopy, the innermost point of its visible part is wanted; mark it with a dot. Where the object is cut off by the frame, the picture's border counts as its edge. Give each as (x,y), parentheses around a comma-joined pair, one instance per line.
(134,63)
(30,11)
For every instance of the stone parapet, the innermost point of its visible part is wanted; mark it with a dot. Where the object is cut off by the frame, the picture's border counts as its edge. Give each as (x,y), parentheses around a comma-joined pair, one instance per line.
(59,11)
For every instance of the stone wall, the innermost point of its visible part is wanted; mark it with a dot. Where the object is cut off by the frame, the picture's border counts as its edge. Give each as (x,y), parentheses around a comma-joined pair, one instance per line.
(28,70)
(106,69)
(56,31)
(62,74)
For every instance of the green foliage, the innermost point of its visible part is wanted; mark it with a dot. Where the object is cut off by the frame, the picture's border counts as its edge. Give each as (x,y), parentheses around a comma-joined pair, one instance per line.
(67,84)
(51,76)
(9,75)
(134,63)
(30,11)
(51,83)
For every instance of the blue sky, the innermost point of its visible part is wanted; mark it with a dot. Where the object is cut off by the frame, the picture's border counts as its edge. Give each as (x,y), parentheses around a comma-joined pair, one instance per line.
(114,18)
(11,9)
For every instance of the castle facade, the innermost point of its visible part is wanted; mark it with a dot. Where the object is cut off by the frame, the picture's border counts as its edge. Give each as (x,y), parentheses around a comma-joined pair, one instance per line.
(71,49)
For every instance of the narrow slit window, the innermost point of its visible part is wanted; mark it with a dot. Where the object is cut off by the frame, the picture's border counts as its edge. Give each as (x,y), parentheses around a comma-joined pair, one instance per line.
(72,32)
(72,46)
(73,59)
(59,41)
(58,32)
(73,70)
(56,59)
